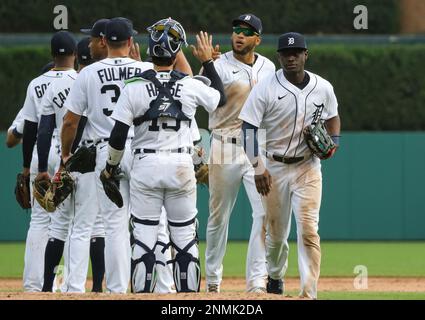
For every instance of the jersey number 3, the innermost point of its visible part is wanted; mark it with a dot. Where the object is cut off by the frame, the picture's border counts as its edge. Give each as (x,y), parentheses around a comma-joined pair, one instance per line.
(114,98)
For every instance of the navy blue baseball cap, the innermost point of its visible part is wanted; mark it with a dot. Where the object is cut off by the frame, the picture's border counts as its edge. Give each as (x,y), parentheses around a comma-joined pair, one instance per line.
(251,20)
(63,43)
(291,40)
(98,30)
(119,29)
(83,52)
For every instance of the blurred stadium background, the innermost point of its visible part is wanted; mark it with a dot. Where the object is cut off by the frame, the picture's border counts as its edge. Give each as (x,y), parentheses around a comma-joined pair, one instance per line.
(373,187)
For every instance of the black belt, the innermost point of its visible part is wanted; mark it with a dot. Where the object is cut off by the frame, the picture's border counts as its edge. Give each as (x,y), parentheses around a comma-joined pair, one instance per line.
(178,150)
(95,142)
(286,160)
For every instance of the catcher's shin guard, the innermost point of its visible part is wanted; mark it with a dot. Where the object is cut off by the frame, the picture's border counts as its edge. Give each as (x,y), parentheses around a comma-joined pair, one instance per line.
(143,269)
(186,264)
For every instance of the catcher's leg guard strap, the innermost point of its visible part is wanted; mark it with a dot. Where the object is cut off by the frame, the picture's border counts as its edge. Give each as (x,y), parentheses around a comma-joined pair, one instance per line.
(186,264)
(143,273)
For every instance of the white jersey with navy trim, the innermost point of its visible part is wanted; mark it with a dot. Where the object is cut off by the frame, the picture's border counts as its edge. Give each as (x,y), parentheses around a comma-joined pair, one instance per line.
(238,80)
(284,110)
(56,95)
(164,133)
(97,89)
(35,92)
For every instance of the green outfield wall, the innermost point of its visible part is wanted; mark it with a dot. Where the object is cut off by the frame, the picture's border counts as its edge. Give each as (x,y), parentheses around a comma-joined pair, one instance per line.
(373,189)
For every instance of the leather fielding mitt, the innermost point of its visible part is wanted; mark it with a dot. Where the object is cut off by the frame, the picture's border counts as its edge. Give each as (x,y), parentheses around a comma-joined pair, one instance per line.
(318,140)
(202,174)
(83,160)
(22,191)
(50,194)
(111,184)
(200,165)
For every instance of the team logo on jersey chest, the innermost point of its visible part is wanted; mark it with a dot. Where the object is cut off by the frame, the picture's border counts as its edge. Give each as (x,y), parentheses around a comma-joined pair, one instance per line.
(317,114)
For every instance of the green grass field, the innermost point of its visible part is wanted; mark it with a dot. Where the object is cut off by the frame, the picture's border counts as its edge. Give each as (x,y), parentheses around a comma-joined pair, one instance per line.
(389,259)
(398,259)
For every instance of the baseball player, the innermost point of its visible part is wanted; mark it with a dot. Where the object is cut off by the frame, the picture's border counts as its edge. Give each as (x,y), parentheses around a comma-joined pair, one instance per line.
(37,236)
(282,105)
(75,222)
(161,104)
(64,49)
(97,240)
(37,233)
(95,92)
(240,70)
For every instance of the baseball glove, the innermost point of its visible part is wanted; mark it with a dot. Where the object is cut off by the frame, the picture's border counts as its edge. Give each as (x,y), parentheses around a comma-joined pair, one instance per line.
(50,194)
(84,160)
(318,140)
(200,165)
(22,191)
(111,185)
(201,174)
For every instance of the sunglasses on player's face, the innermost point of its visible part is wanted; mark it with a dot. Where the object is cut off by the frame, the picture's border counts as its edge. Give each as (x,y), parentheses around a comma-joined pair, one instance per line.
(247,32)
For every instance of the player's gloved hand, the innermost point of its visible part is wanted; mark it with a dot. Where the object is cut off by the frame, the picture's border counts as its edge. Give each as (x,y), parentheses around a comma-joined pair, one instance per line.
(319,141)
(110,178)
(329,154)
(42,176)
(50,194)
(22,190)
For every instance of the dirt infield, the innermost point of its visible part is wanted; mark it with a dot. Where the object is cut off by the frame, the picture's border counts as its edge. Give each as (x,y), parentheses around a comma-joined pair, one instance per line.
(232,289)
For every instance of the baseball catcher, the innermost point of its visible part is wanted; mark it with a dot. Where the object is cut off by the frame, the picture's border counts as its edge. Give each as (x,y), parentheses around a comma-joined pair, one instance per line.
(22,191)
(319,141)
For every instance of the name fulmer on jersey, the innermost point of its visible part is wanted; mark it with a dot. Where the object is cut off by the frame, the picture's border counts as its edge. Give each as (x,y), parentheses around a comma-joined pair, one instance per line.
(114,74)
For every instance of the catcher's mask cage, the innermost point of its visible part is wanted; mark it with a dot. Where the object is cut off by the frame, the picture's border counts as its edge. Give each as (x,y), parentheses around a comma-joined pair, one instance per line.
(166,38)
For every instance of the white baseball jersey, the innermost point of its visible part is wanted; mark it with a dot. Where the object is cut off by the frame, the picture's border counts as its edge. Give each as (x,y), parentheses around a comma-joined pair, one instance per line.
(238,80)
(35,92)
(56,95)
(164,133)
(31,110)
(97,89)
(283,110)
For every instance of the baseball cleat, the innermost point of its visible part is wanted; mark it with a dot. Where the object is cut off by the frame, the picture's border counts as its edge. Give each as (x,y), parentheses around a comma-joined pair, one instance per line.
(257,290)
(213,288)
(274,286)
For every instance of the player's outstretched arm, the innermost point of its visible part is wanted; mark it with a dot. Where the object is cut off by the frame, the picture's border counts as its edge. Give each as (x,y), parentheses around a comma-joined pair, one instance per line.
(203,52)
(182,64)
(68,132)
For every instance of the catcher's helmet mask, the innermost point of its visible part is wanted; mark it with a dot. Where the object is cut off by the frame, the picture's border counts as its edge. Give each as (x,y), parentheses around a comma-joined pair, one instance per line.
(166,38)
